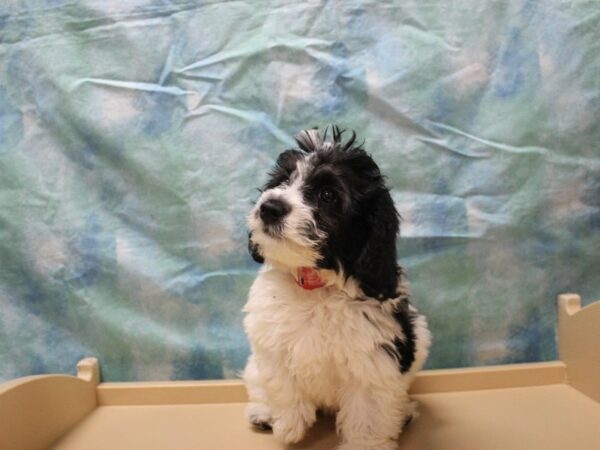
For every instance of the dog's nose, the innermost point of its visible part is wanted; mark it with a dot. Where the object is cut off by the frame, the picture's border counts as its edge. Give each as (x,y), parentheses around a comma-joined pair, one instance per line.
(273,210)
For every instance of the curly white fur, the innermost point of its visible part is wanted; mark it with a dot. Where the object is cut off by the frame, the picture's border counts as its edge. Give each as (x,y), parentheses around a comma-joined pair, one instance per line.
(331,348)
(322,350)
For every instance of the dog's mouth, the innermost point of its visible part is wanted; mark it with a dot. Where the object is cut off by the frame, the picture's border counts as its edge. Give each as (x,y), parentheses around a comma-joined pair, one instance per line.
(306,237)
(286,239)
(277,243)
(273,231)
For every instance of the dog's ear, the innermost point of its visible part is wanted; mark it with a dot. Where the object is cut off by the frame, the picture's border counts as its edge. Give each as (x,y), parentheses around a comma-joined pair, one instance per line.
(254,250)
(376,268)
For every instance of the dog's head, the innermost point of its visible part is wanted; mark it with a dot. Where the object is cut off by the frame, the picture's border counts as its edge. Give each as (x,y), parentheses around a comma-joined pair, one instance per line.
(326,206)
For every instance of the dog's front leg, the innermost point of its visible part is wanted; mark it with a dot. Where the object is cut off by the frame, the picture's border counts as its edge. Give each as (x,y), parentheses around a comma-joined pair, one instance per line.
(258,410)
(371,418)
(293,415)
(275,400)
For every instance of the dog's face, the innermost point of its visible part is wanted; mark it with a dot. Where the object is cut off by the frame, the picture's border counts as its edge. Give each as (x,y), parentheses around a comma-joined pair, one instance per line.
(326,206)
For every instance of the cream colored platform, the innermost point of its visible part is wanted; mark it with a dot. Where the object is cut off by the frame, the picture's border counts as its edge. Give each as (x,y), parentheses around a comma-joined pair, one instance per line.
(543,406)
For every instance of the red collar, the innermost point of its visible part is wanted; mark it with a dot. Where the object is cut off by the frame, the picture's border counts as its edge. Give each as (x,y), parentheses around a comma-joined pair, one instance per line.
(309,278)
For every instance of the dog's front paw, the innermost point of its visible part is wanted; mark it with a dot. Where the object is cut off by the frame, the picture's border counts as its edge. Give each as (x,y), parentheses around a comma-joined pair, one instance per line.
(291,427)
(289,432)
(259,415)
(410,413)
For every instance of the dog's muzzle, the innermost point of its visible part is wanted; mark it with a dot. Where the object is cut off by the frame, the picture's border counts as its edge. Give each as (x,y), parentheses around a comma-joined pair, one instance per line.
(273,211)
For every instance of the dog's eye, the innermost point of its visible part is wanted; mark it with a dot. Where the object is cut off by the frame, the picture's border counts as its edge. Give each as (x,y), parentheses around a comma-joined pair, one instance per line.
(327,195)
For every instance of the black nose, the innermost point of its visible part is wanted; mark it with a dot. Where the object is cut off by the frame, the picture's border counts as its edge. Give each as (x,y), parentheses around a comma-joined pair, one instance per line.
(273,210)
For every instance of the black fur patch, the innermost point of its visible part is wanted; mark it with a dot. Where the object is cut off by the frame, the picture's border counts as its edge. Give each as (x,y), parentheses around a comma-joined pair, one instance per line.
(403,350)
(254,250)
(361,222)
(284,167)
(406,349)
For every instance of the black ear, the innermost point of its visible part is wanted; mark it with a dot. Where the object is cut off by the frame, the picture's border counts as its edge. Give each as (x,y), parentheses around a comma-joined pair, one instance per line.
(254,250)
(376,269)
(285,165)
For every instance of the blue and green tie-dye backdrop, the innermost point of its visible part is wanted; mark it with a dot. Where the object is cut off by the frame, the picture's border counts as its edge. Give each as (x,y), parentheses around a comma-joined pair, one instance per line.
(134,132)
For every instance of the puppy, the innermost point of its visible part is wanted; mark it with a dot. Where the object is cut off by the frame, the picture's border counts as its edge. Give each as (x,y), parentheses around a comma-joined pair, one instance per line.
(328,317)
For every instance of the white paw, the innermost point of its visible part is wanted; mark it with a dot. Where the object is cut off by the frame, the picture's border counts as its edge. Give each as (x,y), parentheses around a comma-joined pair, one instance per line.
(410,413)
(259,414)
(289,428)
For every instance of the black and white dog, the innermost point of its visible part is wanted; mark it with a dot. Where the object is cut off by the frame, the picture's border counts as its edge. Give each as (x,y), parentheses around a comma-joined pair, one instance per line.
(328,317)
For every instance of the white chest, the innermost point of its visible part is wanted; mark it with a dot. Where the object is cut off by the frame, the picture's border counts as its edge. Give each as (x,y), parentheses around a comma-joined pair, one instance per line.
(320,335)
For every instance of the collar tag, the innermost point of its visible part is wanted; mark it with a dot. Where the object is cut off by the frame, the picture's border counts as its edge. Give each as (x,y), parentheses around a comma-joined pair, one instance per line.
(309,278)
